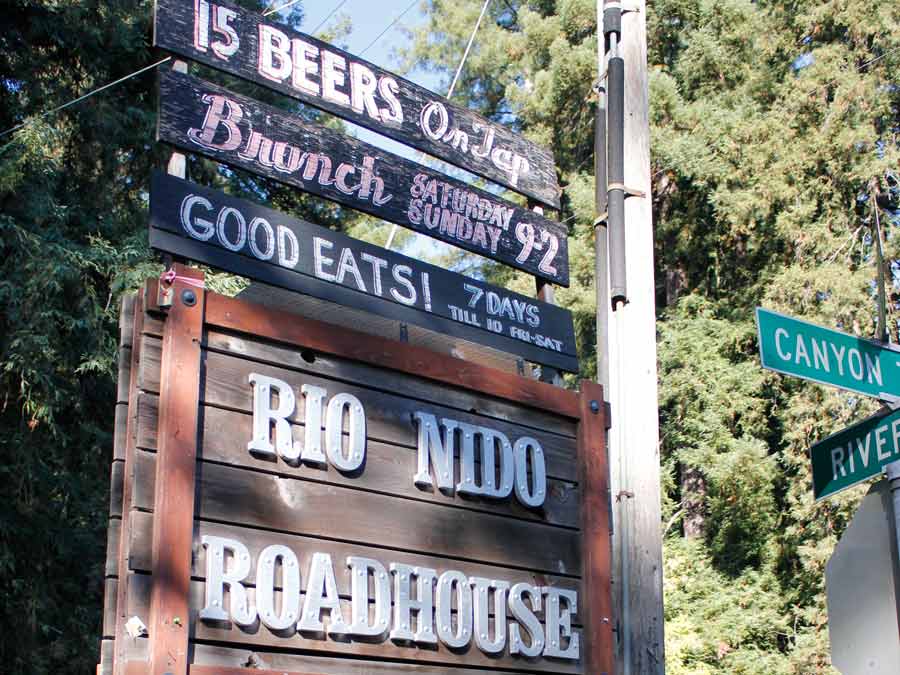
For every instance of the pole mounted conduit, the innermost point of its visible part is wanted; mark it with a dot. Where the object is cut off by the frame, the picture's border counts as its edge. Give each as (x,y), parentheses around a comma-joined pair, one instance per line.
(615,74)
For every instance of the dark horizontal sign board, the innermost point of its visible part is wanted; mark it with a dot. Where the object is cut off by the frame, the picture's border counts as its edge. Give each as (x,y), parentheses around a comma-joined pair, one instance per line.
(203,117)
(244,238)
(242,43)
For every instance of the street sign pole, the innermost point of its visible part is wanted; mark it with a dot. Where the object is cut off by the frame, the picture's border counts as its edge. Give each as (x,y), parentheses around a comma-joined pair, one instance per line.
(892,470)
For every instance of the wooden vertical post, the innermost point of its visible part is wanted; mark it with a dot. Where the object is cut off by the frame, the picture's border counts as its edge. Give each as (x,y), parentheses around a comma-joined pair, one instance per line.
(634,430)
(545,293)
(121,645)
(173,522)
(596,603)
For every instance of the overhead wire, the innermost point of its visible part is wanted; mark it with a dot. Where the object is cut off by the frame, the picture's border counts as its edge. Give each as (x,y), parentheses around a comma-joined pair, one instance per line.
(857,69)
(109,85)
(462,62)
(390,25)
(272,10)
(83,97)
(330,14)
(468,48)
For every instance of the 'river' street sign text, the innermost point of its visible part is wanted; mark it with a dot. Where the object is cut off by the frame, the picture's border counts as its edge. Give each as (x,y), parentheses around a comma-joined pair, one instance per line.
(854,454)
(802,349)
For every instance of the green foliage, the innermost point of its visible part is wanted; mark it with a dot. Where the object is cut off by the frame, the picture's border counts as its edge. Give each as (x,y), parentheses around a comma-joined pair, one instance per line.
(720,623)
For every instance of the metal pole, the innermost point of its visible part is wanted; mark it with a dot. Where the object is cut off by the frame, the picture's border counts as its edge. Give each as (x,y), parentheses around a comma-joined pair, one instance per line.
(892,470)
(601,234)
(615,130)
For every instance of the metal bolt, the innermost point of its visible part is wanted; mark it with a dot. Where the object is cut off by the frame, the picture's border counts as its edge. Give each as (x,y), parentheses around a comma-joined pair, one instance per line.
(188,297)
(595,407)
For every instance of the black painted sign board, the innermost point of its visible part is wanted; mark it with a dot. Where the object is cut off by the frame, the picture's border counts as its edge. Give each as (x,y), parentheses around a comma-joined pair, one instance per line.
(202,117)
(242,43)
(238,236)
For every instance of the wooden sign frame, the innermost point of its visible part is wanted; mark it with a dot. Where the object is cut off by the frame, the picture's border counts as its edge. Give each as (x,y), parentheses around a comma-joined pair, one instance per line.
(229,40)
(189,312)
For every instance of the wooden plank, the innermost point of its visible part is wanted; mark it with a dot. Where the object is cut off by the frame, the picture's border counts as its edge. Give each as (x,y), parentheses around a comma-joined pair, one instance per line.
(388,417)
(110,586)
(107,649)
(304,546)
(244,317)
(359,320)
(464,142)
(596,599)
(120,435)
(126,320)
(153,325)
(124,374)
(219,670)
(254,499)
(202,117)
(335,267)
(174,492)
(378,379)
(132,335)
(327,365)
(388,469)
(261,636)
(116,477)
(286,662)
(113,532)
(216,655)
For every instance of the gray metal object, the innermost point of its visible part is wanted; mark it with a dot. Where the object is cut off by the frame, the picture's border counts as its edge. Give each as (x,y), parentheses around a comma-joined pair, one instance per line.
(460,637)
(616,187)
(862,586)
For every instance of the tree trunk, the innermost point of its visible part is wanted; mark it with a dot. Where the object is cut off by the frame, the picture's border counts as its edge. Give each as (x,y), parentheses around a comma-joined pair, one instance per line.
(693,498)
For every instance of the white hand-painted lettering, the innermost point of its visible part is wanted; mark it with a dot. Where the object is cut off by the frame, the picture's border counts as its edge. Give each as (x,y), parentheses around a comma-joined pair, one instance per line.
(452,608)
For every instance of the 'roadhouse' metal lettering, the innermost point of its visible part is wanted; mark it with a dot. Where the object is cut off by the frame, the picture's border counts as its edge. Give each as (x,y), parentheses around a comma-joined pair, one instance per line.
(451,607)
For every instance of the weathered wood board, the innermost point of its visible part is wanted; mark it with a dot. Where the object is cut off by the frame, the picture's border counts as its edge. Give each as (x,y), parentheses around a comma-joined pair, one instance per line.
(388,466)
(262,638)
(375,511)
(255,499)
(246,44)
(257,540)
(202,117)
(205,225)
(387,414)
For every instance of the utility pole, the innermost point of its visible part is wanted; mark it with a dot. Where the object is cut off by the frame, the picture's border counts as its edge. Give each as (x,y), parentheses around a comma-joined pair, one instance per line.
(626,335)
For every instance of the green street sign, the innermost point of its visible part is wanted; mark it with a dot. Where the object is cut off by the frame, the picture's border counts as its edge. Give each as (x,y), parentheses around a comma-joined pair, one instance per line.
(802,349)
(854,454)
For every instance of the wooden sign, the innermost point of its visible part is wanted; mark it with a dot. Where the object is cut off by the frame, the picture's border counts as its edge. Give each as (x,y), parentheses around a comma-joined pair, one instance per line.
(204,225)
(202,117)
(242,43)
(294,497)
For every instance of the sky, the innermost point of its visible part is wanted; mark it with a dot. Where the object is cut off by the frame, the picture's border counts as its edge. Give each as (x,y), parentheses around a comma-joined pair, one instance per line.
(368,19)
